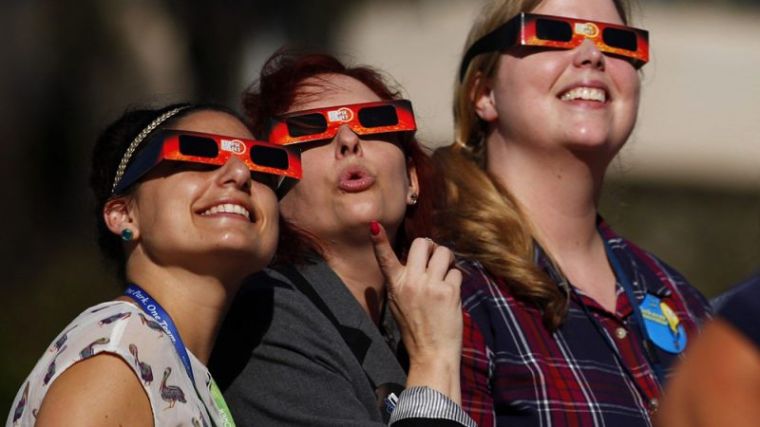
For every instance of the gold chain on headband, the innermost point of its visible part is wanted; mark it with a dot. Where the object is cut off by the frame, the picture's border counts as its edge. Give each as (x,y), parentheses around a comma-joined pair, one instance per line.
(138,139)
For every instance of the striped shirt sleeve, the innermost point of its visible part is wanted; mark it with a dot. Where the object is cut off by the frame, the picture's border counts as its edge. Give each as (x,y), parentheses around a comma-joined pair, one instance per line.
(426,403)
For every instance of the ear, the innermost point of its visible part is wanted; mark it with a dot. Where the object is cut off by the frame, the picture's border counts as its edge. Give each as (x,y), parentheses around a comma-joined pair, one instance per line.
(118,216)
(482,98)
(414,184)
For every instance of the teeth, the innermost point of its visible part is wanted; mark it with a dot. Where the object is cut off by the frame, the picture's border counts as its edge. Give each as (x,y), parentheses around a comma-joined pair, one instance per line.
(585,93)
(228,208)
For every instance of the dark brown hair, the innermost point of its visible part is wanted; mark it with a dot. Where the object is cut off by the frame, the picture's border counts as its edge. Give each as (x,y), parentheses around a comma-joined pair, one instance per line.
(106,156)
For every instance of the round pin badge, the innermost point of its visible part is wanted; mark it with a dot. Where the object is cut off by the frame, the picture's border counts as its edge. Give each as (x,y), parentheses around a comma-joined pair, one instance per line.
(662,325)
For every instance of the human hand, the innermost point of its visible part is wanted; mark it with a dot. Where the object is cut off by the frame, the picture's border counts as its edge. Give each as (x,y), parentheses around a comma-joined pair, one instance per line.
(424,297)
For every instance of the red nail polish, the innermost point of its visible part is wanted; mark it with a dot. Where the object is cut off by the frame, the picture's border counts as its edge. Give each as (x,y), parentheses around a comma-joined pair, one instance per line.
(374,228)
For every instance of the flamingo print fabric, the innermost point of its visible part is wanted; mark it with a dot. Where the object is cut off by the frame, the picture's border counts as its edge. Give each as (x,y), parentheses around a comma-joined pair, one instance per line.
(120,328)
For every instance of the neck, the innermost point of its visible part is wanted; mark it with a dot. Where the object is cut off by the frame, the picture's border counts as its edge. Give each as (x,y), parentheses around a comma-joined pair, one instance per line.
(558,192)
(196,303)
(357,267)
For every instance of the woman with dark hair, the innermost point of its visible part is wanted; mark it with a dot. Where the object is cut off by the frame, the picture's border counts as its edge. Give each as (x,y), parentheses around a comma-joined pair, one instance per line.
(566,323)
(186,208)
(320,347)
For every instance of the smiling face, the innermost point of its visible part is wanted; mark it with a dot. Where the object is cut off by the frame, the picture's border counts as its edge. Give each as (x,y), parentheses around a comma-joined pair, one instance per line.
(578,99)
(350,180)
(201,216)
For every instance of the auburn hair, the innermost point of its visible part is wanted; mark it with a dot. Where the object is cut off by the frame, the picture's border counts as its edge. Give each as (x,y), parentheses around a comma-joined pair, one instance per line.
(282,80)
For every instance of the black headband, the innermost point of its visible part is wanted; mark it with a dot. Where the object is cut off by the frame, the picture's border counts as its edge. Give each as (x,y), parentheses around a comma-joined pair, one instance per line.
(503,35)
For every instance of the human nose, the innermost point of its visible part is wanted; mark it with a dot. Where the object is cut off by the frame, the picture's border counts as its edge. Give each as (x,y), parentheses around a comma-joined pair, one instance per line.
(588,55)
(234,172)
(347,143)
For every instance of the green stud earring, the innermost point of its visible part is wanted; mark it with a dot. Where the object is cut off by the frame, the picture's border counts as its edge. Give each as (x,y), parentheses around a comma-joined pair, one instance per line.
(127,234)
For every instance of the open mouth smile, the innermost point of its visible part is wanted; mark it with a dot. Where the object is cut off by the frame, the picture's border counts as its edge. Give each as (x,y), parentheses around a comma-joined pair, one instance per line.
(228,208)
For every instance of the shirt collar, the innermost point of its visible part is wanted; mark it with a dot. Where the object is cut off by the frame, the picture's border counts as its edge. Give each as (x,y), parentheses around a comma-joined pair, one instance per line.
(643,280)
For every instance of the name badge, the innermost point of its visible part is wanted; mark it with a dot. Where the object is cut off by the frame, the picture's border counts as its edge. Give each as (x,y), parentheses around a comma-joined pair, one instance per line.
(387,399)
(662,325)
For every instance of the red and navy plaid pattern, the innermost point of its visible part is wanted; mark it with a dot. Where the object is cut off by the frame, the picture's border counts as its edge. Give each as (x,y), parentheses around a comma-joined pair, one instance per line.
(515,372)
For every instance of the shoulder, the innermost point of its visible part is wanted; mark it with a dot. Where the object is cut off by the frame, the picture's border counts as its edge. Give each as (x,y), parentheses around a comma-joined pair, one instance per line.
(489,309)
(282,362)
(661,278)
(737,292)
(741,307)
(482,292)
(694,302)
(476,280)
(102,389)
(270,304)
(272,298)
(271,322)
(71,368)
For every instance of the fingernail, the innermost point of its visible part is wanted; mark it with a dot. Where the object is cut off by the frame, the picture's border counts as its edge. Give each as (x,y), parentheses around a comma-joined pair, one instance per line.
(374,228)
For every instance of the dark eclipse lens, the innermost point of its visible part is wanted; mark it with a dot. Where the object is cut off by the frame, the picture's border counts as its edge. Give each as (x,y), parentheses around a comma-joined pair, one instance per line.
(307,124)
(623,39)
(550,29)
(191,145)
(269,156)
(373,117)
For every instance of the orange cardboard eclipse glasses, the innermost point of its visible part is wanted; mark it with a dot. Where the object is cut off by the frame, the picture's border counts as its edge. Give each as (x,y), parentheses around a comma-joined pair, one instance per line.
(530,29)
(204,148)
(323,123)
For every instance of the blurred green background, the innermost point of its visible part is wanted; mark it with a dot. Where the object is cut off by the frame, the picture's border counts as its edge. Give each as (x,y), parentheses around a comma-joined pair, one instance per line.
(69,68)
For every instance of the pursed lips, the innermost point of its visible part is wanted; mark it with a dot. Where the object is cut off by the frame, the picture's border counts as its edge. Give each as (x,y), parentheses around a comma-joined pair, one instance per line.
(355,178)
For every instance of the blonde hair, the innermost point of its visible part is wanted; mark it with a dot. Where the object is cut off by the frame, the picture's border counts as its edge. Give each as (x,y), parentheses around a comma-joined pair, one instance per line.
(475,212)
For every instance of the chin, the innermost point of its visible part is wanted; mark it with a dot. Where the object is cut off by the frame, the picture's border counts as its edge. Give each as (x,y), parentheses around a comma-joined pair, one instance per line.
(362,209)
(583,139)
(376,210)
(590,146)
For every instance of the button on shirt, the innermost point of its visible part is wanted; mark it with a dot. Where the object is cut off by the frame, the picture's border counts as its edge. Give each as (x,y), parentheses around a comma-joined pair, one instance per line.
(592,371)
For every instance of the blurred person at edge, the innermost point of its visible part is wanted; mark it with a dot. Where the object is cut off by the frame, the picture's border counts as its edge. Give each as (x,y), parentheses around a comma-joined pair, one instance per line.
(718,382)
(565,322)
(317,345)
(182,232)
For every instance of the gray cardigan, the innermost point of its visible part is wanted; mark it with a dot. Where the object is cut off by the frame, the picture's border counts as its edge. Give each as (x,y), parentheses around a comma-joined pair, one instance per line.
(282,362)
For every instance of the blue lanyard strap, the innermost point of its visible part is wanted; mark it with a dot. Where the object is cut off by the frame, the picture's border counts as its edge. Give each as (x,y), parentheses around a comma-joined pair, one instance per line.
(162,318)
(627,285)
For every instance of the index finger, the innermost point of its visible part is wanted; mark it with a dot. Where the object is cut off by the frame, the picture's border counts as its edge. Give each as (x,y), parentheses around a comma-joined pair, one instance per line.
(386,257)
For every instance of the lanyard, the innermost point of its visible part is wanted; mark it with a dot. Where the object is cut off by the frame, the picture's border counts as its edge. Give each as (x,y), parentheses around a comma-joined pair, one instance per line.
(154,309)
(627,285)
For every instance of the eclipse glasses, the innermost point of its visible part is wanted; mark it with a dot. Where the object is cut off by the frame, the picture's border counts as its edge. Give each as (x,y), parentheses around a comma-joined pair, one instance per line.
(323,123)
(530,29)
(204,148)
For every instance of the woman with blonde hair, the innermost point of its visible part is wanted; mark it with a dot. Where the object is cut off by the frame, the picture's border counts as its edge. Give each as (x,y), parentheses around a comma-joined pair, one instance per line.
(566,323)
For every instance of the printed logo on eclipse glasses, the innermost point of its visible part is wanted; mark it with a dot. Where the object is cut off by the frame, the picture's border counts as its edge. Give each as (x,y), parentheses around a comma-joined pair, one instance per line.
(588,29)
(340,115)
(233,146)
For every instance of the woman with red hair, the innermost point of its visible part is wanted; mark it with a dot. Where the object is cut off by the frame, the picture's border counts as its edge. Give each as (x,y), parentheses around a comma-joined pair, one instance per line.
(313,342)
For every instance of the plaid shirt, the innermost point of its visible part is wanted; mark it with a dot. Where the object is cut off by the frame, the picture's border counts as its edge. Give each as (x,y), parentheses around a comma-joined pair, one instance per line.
(592,371)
